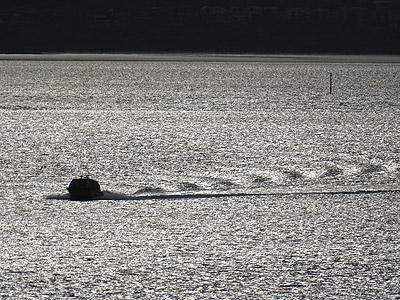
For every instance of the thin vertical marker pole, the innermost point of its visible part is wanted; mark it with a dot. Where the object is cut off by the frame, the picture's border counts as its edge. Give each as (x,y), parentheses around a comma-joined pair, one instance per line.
(330,83)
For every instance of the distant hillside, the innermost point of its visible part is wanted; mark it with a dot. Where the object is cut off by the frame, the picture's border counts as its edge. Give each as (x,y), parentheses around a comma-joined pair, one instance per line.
(264,26)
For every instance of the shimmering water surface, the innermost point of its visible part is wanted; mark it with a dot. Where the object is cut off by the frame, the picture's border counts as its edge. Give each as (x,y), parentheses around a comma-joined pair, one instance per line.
(224,178)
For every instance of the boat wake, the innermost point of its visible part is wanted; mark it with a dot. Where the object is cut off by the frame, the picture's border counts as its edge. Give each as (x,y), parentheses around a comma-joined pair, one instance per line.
(161,195)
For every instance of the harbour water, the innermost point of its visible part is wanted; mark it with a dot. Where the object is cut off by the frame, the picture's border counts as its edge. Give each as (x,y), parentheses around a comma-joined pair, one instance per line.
(225,177)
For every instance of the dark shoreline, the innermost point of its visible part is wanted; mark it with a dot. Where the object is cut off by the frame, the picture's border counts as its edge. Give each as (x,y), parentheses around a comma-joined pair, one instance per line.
(207,26)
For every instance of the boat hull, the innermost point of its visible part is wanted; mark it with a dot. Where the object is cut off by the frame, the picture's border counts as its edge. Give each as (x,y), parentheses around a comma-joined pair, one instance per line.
(82,194)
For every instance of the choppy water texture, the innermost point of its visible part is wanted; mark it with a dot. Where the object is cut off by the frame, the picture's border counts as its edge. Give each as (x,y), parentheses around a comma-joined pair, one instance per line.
(230,178)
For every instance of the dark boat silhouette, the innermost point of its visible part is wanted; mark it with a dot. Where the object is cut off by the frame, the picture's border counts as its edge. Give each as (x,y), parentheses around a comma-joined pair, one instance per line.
(84,188)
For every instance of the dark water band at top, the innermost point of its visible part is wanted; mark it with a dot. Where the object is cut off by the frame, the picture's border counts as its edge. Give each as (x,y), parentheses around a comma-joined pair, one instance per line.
(108,195)
(204,57)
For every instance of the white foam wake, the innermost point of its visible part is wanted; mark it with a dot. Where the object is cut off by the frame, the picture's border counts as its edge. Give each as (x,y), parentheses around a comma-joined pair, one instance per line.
(160,195)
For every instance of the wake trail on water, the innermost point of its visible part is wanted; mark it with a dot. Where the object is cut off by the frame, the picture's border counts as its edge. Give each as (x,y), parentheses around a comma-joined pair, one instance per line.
(109,195)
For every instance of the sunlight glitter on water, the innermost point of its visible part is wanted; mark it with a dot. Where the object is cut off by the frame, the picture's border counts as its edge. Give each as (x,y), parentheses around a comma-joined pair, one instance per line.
(224,180)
